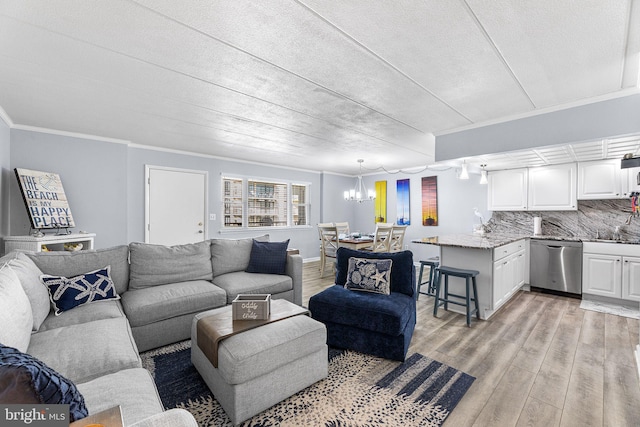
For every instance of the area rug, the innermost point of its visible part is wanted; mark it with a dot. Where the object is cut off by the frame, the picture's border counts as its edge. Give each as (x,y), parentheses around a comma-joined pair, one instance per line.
(361,390)
(603,307)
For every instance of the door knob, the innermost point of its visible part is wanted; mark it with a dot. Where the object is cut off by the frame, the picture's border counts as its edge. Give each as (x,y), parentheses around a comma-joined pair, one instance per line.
(200,231)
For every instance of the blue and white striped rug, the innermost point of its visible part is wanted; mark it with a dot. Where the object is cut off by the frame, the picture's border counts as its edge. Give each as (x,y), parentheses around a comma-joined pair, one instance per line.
(361,390)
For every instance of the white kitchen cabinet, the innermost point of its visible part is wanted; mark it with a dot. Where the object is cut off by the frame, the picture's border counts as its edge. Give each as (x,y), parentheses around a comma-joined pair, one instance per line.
(553,188)
(601,275)
(631,278)
(601,179)
(507,190)
(632,181)
(508,272)
(611,270)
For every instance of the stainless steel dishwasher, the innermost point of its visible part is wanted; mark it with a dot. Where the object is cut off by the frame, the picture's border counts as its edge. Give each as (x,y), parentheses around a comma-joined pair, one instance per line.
(556,265)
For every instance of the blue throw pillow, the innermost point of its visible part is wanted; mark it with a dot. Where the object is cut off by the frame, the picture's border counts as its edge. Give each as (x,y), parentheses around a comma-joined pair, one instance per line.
(369,275)
(67,293)
(268,257)
(48,386)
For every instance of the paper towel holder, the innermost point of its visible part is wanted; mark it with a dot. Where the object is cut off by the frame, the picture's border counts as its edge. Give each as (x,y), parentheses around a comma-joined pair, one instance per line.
(537,226)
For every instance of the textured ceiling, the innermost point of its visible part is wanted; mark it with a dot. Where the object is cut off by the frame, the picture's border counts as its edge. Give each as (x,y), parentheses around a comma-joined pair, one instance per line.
(311,83)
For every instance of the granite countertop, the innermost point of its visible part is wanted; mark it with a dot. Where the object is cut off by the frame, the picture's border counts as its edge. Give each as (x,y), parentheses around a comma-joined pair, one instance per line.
(494,240)
(475,241)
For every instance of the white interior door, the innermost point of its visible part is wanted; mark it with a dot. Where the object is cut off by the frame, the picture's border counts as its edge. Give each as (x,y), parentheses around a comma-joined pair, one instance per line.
(176,206)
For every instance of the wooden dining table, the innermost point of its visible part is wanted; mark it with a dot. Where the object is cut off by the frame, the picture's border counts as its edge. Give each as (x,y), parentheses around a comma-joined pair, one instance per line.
(356,244)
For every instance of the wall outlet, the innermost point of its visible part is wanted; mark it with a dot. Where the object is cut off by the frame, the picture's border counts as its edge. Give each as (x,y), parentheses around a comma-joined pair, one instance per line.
(212,217)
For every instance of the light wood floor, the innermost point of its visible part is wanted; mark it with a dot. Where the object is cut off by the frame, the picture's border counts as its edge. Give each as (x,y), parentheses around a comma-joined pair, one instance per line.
(539,361)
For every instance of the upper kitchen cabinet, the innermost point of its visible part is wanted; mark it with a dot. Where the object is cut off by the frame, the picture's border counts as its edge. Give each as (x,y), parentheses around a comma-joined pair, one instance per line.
(507,190)
(601,179)
(553,188)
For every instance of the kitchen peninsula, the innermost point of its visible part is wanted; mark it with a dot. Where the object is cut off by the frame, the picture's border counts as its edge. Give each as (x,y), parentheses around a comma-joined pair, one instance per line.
(500,258)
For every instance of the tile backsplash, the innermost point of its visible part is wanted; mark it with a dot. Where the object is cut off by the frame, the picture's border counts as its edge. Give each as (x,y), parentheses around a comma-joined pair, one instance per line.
(592,216)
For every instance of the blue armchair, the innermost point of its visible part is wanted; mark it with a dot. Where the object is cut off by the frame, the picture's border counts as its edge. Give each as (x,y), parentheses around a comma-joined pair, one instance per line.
(377,324)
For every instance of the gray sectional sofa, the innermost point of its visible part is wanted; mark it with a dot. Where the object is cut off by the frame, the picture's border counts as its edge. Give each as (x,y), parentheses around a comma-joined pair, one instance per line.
(160,290)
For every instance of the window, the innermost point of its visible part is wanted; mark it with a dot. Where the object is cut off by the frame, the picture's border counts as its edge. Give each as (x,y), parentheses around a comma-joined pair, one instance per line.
(259,203)
(299,204)
(232,194)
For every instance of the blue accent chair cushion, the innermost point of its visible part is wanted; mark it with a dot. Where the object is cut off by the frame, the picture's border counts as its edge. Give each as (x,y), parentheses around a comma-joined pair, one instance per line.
(27,378)
(268,257)
(372,323)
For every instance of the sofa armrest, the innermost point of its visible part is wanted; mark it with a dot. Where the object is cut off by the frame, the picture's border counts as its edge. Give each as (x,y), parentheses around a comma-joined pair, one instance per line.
(294,270)
(170,418)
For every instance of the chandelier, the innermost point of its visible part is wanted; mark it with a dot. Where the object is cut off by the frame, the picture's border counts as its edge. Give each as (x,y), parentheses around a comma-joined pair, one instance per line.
(359,193)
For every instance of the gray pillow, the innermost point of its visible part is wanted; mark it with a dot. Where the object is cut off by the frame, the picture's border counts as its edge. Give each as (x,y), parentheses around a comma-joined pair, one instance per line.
(29,275)
(70,264)
(230,255)
(16,317)
(153,265)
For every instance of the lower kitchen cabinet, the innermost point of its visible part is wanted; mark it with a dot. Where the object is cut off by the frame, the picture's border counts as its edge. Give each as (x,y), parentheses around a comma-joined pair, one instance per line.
(502,273)
(611,270)
(508,277)
(631,278)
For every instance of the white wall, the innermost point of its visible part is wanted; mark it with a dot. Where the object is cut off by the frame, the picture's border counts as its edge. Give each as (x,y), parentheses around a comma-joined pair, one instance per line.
(456,200)
(94,176)
(604,119)
(104,183)
(6,174)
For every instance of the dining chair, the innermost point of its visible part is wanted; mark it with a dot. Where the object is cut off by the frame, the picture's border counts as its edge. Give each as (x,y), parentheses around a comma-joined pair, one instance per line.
(397,238)
(320,225)
(382,239)
(343,227)
(329,244)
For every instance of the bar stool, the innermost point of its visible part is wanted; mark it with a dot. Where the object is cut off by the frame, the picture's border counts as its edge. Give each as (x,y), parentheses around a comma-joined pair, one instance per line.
(433,264)
(470,280)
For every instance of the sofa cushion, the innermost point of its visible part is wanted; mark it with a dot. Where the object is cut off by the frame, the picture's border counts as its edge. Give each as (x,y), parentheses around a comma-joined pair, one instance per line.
(29,275)
(16,317)
(229,255)
(153,265)
(243,357)
(402,274)
(268,257)
(149,305)
(89,350)
(48,385)
(70,292)
(387,314)
(108,309)
(369,275)
(242,282)
(69,264)
(132,389)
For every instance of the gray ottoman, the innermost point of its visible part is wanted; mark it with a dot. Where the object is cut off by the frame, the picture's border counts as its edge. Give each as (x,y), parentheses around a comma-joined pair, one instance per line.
(263,366)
